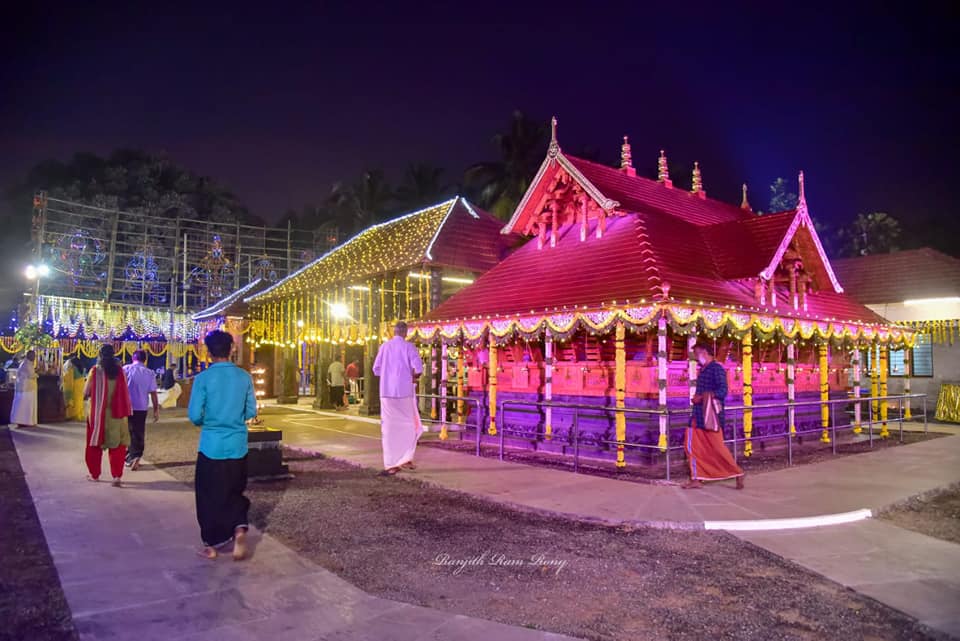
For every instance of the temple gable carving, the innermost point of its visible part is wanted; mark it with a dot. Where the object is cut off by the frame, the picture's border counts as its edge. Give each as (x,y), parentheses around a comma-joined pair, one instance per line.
(564,202)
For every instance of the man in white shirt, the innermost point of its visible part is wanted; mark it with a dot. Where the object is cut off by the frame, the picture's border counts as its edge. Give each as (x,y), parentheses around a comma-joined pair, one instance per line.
(335,377)
(398,365)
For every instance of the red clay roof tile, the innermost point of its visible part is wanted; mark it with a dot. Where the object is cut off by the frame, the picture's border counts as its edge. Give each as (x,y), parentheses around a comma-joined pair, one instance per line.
(900,276)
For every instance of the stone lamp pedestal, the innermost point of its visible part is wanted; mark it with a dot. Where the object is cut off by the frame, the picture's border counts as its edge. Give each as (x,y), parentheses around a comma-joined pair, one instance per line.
(264,456)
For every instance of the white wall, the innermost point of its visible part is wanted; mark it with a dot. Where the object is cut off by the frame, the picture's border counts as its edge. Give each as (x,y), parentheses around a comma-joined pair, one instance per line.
(946,367)
(898,312)
(946,358)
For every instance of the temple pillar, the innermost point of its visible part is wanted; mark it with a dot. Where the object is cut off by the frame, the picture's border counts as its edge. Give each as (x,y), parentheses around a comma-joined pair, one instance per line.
(443,391)
(492,378)
(792,387)
(620,391)
(433,386)
(874,383)
(692,365)
(747,366)
(907,371)
(824,367)
(433,301)
(425,382)
(548,385)
(857,417)
(461,382)
(884,404)
(662,380)
(289,375)
(322,399)
(371,383)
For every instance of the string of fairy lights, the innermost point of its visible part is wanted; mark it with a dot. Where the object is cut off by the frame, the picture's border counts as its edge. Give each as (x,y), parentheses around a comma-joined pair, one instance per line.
(347,313)
(390,281)
(89,319)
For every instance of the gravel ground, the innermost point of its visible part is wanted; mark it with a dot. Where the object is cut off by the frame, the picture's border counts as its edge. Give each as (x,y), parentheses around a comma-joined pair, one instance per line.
(935,514)
(767,455)
(32,604)
(399,539)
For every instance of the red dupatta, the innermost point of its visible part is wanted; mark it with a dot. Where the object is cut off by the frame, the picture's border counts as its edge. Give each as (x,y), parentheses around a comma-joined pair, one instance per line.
(119,407)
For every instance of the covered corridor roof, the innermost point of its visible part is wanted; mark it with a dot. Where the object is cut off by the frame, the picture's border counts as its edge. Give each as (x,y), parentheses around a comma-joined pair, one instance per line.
(453,233)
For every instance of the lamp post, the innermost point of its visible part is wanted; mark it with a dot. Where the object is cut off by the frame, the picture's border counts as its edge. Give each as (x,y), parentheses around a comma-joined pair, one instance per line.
(35,273)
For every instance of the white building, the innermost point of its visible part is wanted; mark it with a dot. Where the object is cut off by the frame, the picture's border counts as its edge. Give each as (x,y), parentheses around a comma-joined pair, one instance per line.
(920,287)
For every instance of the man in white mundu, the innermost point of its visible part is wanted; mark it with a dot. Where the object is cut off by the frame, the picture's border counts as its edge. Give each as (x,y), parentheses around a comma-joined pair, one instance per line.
(24,410)
(398,365)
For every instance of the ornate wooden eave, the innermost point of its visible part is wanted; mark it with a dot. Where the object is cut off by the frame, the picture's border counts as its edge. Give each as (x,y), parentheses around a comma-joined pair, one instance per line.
(555,157)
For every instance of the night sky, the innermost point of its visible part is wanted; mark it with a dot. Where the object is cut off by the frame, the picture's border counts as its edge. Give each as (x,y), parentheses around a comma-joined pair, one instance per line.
(277,103)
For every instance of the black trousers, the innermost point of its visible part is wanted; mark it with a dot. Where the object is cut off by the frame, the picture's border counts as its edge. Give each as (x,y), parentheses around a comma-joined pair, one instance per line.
(221,505)
(336,395)
(137,424)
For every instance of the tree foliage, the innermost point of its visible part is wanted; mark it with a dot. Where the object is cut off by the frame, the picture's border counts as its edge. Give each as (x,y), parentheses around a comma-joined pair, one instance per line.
(422,185)
(32,336)
(498,185)
(876,233)
(133,180)
(781,199)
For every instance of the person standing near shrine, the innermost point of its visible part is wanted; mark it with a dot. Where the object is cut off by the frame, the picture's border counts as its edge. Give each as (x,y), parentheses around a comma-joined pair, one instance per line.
(335,378)
(221,402)
(142,383)
(107,421)
(399,367)
(23,412)
(353,373)
(707,454)
(73,384)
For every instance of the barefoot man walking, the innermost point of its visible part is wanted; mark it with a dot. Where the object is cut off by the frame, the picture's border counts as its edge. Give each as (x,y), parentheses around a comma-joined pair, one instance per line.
(221,402)
(399,366)
(708,456)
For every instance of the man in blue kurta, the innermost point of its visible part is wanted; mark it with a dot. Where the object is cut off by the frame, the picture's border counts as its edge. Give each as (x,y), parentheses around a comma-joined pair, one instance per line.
(221,402)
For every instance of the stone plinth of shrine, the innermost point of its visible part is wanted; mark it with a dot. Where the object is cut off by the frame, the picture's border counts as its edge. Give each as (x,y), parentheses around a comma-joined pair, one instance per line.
(265,456)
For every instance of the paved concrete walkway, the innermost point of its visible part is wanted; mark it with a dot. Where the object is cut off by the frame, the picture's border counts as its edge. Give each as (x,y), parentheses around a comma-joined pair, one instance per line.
(867,481)
(127,565)
(914,573)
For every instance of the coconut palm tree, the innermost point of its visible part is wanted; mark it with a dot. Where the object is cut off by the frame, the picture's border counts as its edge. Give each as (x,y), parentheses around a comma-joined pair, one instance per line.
(355,207)
(422,185)
(499,185)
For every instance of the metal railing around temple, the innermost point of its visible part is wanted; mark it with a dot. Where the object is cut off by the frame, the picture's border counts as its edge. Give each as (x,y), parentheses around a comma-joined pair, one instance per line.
(870,421)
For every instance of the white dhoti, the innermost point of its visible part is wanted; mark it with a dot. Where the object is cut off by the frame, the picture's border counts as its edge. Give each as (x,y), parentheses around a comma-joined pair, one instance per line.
(24,409)
(400,429)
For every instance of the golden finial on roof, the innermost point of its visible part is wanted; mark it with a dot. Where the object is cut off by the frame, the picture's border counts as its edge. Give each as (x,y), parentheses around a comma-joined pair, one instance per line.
(626,158)
(663,172)
(801,197)
(744,203)
(697,187)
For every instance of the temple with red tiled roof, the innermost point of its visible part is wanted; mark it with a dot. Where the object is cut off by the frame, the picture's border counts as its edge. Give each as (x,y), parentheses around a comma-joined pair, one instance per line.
(621,275)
